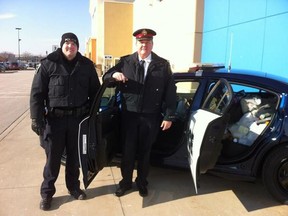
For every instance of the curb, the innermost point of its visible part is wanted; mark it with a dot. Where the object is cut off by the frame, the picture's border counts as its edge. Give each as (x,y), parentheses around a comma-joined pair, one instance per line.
(14,124)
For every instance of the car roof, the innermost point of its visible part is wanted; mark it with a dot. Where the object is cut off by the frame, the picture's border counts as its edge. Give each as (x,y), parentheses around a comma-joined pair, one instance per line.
(257,78)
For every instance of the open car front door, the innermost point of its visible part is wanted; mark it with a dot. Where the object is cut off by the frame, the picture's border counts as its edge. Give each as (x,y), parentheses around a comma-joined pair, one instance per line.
(98,134)
(206,129)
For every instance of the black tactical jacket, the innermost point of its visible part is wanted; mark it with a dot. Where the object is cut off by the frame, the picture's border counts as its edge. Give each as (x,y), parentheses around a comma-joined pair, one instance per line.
(53,86)
(158,92)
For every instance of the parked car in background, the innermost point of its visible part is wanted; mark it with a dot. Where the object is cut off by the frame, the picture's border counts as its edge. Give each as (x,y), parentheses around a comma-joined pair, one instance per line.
(22,66)
(2,67)
(13,66)
(31,65)
(232,123)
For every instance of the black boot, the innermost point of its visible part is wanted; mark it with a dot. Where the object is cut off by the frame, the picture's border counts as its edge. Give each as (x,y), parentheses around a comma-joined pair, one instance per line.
(45,204)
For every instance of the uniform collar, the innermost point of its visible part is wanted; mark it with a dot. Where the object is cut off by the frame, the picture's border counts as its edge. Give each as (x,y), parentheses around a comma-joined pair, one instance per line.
(148,59)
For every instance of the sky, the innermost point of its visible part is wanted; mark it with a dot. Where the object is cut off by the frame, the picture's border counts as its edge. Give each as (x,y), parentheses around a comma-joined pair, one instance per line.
(42,24)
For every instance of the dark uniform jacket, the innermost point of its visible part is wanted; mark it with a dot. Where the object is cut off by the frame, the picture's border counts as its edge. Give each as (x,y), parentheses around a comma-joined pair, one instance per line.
(55,87)
(155,95)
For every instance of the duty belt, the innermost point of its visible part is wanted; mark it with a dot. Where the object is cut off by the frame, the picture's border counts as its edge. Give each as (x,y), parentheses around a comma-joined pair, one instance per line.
(60,112)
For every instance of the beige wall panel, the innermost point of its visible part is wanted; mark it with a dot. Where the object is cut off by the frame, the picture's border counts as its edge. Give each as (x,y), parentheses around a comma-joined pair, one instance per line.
(118,29)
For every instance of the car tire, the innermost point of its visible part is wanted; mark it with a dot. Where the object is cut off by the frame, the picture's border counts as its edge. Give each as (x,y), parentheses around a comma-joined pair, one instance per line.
(275,174)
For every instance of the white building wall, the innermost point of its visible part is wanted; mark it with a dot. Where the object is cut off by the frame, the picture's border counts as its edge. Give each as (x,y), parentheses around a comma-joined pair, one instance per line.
(174,22)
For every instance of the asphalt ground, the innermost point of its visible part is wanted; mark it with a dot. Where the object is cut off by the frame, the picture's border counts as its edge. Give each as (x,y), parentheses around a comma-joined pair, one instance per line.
(171,191)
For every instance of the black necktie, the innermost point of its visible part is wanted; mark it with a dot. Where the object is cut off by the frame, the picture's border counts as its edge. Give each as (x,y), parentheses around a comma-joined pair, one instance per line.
(140,71)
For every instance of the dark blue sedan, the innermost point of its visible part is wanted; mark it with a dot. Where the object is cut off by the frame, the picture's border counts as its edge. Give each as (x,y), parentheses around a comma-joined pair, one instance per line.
(230,123)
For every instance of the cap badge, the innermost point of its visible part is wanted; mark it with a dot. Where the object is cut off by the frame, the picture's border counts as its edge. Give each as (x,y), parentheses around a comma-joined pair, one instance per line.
(144,32)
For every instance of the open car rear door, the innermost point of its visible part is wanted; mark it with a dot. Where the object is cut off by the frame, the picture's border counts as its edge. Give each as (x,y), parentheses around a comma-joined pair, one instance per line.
(206,129)
(98,134)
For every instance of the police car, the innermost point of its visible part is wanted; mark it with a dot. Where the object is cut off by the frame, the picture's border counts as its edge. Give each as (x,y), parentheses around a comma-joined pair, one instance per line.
(232,123)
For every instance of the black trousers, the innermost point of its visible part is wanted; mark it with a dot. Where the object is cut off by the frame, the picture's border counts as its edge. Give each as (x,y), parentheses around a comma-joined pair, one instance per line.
(60,133)
(140,131)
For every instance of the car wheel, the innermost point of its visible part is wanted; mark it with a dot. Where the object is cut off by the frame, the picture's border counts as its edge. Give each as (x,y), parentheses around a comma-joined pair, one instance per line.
(275,174)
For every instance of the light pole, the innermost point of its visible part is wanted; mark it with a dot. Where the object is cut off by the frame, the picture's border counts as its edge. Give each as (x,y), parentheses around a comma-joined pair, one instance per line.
(18,29)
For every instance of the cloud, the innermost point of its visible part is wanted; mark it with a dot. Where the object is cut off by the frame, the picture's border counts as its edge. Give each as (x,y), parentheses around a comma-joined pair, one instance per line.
(7,16)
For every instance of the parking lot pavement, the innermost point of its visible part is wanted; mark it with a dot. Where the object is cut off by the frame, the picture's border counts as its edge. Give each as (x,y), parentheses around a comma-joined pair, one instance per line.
(14,95)
(170,191)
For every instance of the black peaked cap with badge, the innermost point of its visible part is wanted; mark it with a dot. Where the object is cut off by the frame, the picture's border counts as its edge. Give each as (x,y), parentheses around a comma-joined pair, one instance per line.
(144,34)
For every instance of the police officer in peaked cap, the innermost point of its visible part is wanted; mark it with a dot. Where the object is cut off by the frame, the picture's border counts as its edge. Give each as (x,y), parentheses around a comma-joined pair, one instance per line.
(145,85)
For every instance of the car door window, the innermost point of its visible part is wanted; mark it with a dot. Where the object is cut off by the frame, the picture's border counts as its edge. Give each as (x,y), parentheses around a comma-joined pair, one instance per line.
(252,111)
(108,99)
(185,94)
(218,98)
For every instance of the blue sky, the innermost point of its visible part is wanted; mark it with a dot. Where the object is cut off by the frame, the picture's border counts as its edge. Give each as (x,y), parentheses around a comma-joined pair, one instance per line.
(42,22)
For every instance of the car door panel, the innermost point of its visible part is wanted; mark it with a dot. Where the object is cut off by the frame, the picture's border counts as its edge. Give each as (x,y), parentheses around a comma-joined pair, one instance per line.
(211,145)
(206,129)
(99,133)
(195,141)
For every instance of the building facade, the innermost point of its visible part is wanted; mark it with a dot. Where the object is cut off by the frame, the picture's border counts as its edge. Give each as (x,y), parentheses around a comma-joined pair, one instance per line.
(247,34)
(178,36)
(241,33)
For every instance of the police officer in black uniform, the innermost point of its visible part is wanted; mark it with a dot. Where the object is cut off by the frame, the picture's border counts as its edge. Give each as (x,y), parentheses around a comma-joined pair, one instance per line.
(63,89)
(147,87)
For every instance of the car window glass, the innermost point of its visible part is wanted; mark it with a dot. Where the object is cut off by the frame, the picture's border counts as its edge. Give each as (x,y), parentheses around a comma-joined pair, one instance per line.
(238,88)
(250,114)
(210,86)
(187,89)
(108,98)
(219,99)
(185,94)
